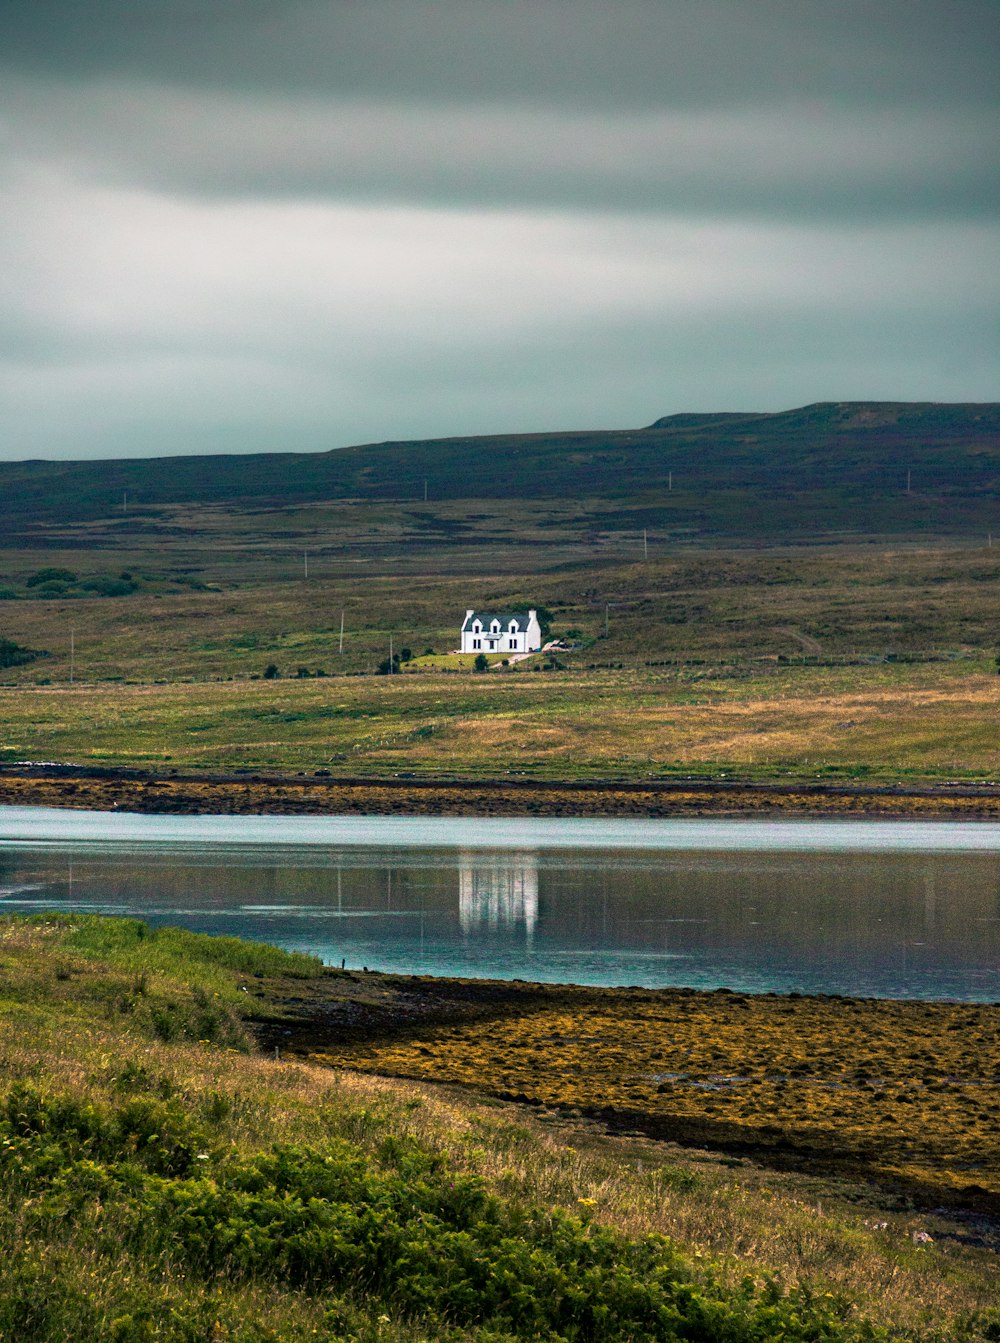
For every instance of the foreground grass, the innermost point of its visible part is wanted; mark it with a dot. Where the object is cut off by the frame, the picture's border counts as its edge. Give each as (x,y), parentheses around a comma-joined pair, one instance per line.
(888,721)
(164,1182)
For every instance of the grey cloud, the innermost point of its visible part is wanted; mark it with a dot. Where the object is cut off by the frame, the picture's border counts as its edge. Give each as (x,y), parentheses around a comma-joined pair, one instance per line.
(765,159)
(633,53)
(291,224)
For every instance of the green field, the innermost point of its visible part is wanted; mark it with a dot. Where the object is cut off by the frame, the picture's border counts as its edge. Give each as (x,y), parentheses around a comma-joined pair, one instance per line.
(929,722)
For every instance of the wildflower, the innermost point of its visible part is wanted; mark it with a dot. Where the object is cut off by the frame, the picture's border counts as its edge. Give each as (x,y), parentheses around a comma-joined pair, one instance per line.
(201,1156)
(587,1202)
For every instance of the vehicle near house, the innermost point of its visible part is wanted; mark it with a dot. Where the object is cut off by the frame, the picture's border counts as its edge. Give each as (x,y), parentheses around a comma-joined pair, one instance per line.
(501,632)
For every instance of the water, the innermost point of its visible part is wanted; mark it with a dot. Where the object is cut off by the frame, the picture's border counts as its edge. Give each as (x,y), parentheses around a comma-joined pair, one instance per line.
(887,909)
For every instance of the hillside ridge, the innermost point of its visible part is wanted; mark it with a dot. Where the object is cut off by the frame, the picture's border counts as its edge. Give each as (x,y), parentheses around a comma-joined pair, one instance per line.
(952,451)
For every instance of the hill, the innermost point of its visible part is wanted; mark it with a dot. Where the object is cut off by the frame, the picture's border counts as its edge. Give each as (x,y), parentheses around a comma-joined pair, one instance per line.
(829,467)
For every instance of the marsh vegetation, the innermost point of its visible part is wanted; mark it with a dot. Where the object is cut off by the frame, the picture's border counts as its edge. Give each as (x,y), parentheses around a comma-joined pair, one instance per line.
(167,1182)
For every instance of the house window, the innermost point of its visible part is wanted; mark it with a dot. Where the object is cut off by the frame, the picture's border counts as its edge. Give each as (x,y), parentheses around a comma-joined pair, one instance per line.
(513,644)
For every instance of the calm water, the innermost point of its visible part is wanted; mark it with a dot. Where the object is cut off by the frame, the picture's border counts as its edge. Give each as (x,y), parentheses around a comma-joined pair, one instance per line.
(874,908)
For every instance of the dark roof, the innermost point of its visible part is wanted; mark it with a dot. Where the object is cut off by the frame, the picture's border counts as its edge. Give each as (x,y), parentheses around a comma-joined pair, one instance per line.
(505,617)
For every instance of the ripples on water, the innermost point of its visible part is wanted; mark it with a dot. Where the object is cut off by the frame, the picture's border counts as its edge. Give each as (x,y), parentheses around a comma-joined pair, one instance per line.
(874,908)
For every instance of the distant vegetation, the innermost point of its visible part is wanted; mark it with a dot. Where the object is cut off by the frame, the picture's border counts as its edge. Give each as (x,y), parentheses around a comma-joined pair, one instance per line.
(857,467)
(56,582)
(15,655)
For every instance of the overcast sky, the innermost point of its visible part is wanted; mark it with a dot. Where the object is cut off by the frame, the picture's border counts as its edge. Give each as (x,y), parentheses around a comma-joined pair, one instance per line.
(252,225)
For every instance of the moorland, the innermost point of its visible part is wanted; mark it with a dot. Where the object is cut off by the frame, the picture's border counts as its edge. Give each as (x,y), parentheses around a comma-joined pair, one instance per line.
(800,597)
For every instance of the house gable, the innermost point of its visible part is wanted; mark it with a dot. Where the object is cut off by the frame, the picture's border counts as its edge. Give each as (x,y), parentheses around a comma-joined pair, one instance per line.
(501,632)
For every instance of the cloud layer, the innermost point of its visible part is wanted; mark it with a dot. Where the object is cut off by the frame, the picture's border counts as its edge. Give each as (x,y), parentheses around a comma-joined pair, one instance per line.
(268,226)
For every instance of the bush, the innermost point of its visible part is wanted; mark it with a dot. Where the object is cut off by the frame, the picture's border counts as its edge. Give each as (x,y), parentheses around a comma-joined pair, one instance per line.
(16,655)
(271,672)
(482,663)
(51,575)
(109,587)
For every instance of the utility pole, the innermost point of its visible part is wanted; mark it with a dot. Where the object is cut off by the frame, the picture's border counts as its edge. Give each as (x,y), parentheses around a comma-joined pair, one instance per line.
(305,562)
(341,631)
(391,666)
(425,491)
(908,476)
(645,545)
(670,480)
(607,618)
(72,653)
(125,502)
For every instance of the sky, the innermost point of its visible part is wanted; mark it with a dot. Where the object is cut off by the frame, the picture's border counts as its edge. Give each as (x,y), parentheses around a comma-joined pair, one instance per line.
(291,225)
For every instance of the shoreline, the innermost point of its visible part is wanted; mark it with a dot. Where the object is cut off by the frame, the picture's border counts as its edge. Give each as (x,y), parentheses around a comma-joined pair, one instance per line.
(263,793)
(833,1086)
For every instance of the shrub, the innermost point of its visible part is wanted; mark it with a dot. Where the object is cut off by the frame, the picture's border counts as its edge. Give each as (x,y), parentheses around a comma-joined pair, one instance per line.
(50,575)
(271,672)
(109,587)
(16,655)
(482,663)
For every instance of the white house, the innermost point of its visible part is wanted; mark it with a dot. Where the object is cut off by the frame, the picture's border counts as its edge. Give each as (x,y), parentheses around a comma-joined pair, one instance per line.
(501,632)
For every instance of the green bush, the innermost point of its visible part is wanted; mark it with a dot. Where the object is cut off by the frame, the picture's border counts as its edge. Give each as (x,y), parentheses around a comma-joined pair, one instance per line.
(16,655)
(396,1228)
(50,575)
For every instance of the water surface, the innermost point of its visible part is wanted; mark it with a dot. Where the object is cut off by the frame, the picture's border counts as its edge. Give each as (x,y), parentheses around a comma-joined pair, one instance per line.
(894,909)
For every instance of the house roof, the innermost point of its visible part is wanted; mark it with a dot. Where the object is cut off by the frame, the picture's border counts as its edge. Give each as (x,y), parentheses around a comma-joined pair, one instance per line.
(486,618)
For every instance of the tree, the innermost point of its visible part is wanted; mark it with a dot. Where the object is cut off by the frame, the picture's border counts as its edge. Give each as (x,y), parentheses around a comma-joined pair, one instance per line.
(545,618)
(271,672)
(482,663)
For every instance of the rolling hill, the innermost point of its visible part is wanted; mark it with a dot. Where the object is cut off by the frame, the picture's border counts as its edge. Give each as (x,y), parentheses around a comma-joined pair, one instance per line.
(833,466)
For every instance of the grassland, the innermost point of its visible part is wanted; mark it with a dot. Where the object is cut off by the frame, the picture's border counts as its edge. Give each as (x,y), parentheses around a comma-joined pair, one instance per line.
(918,722)
(165,1181)
(734,648)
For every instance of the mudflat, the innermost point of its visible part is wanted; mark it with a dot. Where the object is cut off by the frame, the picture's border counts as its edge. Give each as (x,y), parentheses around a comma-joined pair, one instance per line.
(901,1094)
(271,794)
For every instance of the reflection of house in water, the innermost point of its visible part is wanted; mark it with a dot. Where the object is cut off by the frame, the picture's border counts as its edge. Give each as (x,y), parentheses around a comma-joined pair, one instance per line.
(497,890)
